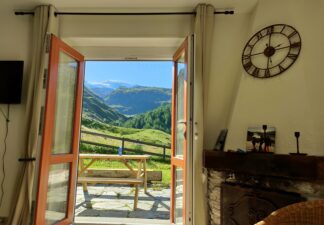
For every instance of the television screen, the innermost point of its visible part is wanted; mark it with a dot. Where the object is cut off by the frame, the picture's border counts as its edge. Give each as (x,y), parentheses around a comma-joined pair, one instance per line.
(11,73)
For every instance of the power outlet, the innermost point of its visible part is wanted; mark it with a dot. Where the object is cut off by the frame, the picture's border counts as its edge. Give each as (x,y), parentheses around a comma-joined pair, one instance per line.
(3,220)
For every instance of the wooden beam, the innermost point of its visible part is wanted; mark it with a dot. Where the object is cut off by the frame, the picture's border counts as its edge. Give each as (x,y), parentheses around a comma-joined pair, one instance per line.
(307,168)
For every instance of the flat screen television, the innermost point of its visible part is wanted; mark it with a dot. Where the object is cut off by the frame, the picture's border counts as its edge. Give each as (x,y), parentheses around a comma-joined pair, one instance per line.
(11,74)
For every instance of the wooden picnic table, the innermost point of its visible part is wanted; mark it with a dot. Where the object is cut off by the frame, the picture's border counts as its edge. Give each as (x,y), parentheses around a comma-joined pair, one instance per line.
(139,174)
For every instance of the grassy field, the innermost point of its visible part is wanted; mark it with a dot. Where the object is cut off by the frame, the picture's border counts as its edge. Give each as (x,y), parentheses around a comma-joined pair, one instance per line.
(146,135)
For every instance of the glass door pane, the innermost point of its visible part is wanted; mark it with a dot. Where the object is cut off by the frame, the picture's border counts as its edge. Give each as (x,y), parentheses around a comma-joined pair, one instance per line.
(180,106)
(178,214)
(57,193)
(65,104)
(179,136)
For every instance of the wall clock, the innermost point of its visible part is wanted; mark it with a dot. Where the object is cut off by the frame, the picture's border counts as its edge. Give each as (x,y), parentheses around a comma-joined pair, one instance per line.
(271,51)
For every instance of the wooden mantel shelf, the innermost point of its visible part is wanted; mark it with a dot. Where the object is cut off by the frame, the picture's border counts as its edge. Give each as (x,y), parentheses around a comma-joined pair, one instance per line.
(307,168)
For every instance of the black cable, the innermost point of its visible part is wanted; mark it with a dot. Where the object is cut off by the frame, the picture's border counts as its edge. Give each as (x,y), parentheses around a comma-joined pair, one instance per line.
(4,152)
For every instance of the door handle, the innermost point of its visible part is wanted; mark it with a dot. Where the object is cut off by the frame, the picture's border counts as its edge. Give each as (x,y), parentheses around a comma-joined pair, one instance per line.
(185,128)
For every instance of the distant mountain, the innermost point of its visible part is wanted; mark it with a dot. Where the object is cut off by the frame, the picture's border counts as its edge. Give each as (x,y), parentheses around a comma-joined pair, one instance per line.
(95,108)
(102,89)
(158,119)
(138,99)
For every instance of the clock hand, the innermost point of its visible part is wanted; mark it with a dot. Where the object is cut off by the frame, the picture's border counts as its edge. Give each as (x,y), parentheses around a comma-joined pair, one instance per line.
(269,44)
(257,53)
(267,71)
(282,48)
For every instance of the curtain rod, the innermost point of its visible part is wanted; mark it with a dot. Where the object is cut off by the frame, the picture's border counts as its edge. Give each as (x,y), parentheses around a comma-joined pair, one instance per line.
(124,14)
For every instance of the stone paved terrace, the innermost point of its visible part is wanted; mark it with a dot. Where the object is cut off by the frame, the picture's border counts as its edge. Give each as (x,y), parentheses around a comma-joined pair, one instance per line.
(112,202)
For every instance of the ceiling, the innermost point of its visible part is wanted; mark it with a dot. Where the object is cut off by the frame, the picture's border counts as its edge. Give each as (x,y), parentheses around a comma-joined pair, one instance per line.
(134,46)
(240,6)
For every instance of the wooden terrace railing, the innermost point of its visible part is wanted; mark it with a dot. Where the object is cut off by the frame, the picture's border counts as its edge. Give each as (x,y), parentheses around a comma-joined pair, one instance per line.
(123,141)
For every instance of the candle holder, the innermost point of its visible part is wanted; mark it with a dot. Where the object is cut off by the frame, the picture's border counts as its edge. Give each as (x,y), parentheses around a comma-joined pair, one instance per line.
(297,135)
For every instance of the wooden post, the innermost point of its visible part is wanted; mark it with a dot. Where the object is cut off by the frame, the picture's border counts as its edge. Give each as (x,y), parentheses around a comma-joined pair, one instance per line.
(164,153)
(139,171)
(123,144)
(135,197)
(145,176)
(82,173)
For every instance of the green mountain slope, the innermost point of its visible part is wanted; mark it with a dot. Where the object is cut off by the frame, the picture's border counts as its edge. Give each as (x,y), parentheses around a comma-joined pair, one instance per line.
(159,119)
(95,108)
(147,135)
(102,89)
(136,100)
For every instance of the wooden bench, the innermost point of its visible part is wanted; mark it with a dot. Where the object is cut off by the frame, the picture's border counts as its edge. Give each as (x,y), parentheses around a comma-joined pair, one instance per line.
(152,175)
(140,176)
(101,180)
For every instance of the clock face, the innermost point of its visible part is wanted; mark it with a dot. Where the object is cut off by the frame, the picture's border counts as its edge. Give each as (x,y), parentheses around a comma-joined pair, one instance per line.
(271,51)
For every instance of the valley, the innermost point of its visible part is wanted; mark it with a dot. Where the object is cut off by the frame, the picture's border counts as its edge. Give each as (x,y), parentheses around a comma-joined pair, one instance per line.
(151,124)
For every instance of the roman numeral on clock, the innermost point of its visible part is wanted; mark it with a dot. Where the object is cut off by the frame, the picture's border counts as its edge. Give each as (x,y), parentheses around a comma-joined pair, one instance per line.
(292,56)
(267,73)
(284,26)
(247,65)
(259,35)
(292,34)
(250,46)
(281,68)
(295,45)
(270,30)
(256,72)
(245,57)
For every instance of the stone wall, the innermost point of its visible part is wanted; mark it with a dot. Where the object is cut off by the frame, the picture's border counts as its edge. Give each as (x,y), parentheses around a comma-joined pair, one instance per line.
(307,190)
(214,201)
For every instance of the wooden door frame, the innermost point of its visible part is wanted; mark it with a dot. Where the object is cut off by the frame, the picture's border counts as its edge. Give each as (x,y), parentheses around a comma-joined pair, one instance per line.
(46,159)
(176,162)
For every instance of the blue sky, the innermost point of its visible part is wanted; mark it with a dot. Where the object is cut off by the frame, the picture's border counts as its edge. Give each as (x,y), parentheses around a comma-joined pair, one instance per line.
(144,73)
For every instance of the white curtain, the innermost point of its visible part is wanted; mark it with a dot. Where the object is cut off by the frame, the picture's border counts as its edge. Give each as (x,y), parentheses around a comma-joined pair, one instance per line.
(203,29)
(44,23)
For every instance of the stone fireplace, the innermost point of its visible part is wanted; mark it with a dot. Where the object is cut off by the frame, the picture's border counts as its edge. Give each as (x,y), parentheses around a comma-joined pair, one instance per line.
(244,205)
(243,198)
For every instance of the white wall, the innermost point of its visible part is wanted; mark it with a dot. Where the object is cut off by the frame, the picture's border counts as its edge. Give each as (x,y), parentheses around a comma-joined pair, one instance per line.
(230,33)
(144,37)
(292,101)
(14,45)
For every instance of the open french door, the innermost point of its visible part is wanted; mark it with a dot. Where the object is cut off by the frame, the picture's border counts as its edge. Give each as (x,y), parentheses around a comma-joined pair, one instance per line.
(60,144)
(181,134)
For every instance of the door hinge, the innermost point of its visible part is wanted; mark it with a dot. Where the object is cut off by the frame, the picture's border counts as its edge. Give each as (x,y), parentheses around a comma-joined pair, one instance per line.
(41,121)
(48,43)
(45,78)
